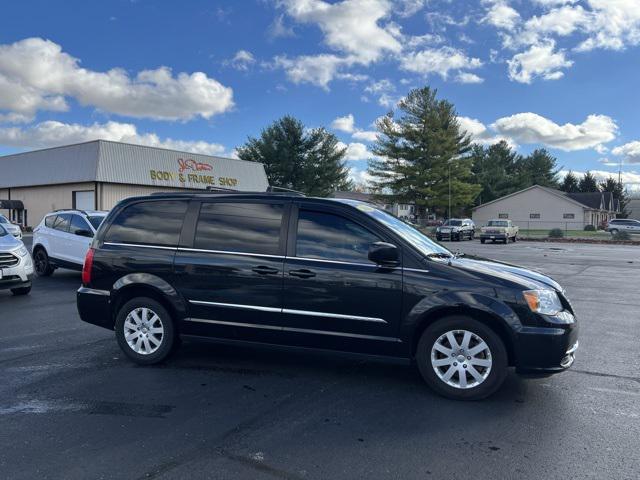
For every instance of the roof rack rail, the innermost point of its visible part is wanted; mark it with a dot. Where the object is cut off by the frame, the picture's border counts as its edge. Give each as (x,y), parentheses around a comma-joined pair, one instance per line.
(282,190)
(69,210)
(211,188)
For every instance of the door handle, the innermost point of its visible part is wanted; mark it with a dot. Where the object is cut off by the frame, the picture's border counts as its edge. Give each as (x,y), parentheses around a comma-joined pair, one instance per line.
(264,270)
(303,273)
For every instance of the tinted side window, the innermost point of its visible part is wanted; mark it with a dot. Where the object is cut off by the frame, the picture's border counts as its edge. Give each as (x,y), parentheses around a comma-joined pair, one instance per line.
(240,227)
(331,237)
(149,223)
(78,223)
(62,222)
(50,221)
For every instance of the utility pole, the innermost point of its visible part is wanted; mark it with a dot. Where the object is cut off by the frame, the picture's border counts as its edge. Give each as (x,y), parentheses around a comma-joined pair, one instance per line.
(449,164)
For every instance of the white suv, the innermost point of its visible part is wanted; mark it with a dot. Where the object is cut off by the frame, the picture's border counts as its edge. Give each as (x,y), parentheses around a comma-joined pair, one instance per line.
(16,267)
(62,239)
(12,228)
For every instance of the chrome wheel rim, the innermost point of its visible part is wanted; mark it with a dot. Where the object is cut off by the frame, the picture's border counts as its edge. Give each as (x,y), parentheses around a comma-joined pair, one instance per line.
(143,331)
(461,359)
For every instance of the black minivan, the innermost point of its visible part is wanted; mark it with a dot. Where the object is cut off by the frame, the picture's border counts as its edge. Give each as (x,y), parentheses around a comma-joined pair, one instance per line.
(319,273)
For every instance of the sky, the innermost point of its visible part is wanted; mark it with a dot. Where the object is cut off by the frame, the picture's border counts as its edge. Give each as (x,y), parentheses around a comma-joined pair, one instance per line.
(203,76)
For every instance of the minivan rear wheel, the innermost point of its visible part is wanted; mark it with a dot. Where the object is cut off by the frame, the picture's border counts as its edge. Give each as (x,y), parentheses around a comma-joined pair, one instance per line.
(461,358)
(145,331)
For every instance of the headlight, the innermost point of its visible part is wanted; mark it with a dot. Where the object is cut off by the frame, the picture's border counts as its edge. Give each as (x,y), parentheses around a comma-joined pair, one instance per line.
(22,251)
(543,301)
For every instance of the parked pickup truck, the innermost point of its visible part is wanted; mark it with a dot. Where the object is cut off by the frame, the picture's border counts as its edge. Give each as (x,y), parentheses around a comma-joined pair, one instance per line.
(503,230)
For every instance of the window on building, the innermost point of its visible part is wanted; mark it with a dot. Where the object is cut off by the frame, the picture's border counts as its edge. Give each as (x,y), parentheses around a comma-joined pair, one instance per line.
(503,215)
(534,215)
(149,223)
(568,216)
(240,227)
(332,237)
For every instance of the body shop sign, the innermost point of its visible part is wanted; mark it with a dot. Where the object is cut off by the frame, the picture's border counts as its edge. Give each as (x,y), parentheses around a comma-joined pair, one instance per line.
(190,171)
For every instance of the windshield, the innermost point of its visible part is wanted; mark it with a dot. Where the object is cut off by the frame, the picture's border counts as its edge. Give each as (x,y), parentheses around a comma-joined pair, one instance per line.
(453,223)
(3,219)
(497,223)
(96,220)
(3,232)
(415,237)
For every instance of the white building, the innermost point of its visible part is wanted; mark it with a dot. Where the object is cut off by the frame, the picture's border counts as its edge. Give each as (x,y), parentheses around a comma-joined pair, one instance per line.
(96,175)
(539,207)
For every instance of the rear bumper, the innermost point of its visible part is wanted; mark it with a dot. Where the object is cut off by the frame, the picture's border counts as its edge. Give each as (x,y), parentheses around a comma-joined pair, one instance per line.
(94,306)
(546,350)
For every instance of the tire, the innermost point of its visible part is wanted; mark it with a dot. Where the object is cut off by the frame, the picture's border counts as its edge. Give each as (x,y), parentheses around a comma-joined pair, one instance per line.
(482,240)
(613,231)
(439,239)
(515,238)
(489,364)
(21,290)
(41,263)
(140,337)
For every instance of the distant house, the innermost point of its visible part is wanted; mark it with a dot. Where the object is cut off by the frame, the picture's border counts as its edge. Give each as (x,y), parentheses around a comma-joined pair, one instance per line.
(539,207)
(401,210)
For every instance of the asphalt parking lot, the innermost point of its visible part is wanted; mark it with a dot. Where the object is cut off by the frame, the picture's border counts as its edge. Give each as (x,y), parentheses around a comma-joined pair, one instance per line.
(71,406)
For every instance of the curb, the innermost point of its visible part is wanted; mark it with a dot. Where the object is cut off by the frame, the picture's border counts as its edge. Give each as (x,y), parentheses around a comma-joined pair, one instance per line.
(580,240)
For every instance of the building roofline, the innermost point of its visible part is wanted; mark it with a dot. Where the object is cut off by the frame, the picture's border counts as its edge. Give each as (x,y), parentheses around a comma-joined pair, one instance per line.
(100,140)
(546,189)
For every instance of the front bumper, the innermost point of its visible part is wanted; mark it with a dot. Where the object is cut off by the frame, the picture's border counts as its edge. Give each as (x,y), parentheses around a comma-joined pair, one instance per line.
(17,276)
(493,236)
(447,235)
(546,350)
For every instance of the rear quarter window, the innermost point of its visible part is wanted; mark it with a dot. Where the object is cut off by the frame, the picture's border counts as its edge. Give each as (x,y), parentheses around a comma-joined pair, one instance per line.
(149,223)
(49,221)
(240,227)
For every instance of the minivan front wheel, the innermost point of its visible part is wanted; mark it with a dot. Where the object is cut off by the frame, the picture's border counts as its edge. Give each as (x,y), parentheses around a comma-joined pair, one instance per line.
(144,330)
(461,358)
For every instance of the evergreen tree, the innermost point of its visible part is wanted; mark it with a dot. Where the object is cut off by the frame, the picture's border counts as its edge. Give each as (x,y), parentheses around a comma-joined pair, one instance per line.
(539,168)
(570,183)
(423,154)
(588,183)
(311,162)
(495,170)
(619,194)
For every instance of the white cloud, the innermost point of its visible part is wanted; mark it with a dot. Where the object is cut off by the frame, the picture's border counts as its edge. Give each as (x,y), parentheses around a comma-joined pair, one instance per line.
(554,3)
(629,151)
(539,61)
(344,124)
(242,60)
(317,70)
(408,8)
(533,128)
(356,151)
(468,77)
(501,15)
(52,133)
(366,135)
(630,179)
(480,134)
(438,60)
(360,177)
(561,21)
(278,29)
(35,74)
(614,25)
(349,26)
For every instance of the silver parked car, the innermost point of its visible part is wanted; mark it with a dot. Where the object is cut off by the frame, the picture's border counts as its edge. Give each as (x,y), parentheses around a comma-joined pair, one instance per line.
(16,266)
(623,225)
(12,228)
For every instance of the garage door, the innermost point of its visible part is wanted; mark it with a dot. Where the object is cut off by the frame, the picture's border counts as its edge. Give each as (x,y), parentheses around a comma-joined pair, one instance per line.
(84,200)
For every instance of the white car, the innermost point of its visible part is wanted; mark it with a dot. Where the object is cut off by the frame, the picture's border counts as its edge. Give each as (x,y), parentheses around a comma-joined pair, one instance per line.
(62,239)
(12,228)
(16,267)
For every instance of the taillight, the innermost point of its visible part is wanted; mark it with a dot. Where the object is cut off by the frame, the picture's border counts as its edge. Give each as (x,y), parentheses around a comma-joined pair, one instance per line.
(87,267)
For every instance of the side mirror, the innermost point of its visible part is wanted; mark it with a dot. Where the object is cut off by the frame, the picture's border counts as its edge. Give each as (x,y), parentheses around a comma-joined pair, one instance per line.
(84,233)
(384,254)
